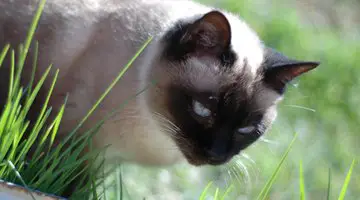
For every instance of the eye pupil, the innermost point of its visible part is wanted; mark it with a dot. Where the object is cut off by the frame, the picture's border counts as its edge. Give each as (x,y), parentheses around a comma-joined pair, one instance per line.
(200,109)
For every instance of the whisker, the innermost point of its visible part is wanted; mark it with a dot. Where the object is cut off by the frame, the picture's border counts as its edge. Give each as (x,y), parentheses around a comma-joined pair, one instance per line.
(163,118)
(301,107)
(247,157)
(262,139)
(166,126)
(251,166)
(238,176)
(232,173)
(171,128)
(245,170)
(227,177)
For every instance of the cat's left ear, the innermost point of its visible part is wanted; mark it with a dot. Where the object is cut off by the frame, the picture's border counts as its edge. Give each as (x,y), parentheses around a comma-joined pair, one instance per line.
(280,70)
(209,34)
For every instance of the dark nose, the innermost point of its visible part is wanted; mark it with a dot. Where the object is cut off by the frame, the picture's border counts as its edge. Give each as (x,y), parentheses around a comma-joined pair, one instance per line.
(217,158)
(219,149)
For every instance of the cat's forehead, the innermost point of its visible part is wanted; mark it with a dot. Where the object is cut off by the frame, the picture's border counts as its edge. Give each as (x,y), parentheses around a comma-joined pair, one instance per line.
(207,75)
(199,74)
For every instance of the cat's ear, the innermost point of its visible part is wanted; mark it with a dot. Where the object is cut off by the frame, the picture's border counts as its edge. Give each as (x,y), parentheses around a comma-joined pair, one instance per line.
(209,34)
(280,70)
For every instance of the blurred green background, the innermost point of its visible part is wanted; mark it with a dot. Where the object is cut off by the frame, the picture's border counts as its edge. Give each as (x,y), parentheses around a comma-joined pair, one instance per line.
(322,107)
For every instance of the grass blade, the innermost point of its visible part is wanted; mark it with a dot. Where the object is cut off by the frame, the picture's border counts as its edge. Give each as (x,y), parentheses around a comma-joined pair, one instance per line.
(227,191)
(301,181)
(35,60)
(205,191)
(264,192)
(347,181)
(119,183)
(20,178)
(329,185)
(28,40)
(122,72)
(12,66)
(4,53)
(216,194)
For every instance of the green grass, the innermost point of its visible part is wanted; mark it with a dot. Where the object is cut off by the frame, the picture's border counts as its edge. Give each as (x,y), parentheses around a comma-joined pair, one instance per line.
(265,191)
(263,194)
(301,181)
(347,181)
(50,169)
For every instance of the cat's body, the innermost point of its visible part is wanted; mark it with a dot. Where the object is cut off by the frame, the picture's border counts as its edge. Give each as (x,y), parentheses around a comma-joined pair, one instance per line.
(91,40)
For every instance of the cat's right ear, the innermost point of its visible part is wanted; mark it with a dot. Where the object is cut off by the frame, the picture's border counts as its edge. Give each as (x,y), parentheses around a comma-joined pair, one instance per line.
(209,34)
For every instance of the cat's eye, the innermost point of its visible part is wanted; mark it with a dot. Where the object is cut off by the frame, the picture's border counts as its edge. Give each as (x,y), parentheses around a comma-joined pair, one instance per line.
(200,109)
(246,130)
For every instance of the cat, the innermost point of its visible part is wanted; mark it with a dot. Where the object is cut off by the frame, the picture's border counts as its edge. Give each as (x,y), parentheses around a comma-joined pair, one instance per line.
(215,84)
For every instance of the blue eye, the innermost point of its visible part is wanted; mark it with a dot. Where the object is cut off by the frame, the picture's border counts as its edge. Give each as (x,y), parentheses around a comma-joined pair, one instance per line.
(246,130)
(200,109)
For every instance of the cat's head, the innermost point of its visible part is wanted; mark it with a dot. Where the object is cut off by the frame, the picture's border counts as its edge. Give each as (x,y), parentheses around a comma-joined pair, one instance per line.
(217,86)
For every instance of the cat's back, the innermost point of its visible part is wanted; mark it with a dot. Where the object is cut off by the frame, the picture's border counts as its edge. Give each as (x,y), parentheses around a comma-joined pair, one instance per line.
(69,25)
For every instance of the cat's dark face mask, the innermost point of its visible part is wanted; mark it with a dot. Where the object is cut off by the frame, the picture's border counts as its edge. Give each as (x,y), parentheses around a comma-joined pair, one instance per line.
(216,111)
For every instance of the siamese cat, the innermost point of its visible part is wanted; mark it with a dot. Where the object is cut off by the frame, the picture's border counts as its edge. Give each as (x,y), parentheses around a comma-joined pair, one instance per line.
(216,84)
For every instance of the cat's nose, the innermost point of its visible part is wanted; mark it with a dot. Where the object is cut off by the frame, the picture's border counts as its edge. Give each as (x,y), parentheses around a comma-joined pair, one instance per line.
(217,157)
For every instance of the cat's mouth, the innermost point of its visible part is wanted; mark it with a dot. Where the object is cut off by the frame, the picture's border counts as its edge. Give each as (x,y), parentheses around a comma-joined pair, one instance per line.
(197,159)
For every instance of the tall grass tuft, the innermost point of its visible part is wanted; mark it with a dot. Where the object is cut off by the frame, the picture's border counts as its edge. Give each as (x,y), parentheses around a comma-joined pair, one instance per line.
(50,169)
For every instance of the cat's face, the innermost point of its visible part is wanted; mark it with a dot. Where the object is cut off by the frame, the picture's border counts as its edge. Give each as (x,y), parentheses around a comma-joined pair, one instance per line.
(213,100)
